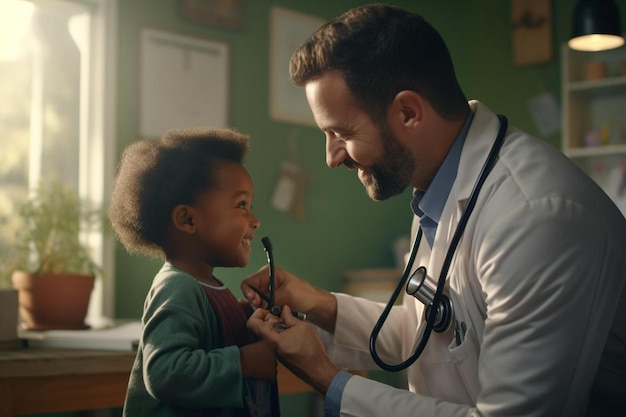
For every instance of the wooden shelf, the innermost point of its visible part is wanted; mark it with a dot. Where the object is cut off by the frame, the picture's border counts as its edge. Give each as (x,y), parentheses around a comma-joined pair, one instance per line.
(595,151)
(594,111)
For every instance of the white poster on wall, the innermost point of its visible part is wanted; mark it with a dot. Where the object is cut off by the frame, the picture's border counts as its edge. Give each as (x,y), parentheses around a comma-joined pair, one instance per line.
(288,30)
(183,82)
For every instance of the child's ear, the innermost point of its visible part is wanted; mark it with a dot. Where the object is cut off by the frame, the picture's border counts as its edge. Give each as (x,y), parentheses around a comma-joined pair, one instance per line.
(182,219)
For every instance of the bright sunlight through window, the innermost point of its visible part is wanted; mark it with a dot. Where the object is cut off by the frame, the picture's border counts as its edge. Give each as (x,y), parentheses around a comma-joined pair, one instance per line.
(56,84)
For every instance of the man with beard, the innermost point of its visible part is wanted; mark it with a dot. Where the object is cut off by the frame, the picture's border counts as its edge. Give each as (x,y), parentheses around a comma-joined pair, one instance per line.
(536,281)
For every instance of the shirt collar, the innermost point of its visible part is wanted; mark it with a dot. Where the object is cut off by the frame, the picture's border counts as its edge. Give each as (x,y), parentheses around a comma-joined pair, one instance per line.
(432,201)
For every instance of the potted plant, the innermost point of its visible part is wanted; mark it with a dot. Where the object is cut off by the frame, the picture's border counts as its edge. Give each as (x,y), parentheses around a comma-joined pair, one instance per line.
(50,265)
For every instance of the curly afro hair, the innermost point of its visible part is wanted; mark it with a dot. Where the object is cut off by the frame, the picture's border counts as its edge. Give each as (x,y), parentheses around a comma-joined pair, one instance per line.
(155,175)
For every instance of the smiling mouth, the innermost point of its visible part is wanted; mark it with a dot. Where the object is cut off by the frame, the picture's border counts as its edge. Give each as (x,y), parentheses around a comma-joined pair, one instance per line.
(247,241)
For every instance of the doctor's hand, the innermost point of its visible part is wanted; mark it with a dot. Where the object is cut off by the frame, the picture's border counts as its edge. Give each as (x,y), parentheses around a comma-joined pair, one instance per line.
(320,306)
(298,347)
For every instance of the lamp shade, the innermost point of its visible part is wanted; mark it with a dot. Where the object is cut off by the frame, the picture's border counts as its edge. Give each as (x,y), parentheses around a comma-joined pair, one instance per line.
(596,26)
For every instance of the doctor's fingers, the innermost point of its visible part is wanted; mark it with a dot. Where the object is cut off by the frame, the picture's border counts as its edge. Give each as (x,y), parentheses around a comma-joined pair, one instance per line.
(300,342)
(259,314)
(254,285)
(263,324)
(287,317)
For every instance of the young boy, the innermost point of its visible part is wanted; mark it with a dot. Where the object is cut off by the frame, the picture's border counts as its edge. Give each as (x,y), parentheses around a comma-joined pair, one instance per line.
(188,199)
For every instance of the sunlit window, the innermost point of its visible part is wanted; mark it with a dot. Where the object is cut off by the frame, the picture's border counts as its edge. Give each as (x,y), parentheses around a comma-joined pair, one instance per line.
(55,96)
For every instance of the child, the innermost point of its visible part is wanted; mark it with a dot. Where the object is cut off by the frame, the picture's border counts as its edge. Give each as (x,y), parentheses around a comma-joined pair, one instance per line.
(188,199)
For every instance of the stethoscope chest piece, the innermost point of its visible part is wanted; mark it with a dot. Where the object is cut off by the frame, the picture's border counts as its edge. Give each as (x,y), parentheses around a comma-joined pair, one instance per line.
(443,311)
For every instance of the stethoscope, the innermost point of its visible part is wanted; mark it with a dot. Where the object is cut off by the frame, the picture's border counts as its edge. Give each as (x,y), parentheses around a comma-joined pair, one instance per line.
(439,308)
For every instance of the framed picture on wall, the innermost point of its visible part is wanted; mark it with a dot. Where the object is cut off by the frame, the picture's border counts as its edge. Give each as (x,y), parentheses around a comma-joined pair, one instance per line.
(226,13)
(288,30)
(184,82)
(532,31)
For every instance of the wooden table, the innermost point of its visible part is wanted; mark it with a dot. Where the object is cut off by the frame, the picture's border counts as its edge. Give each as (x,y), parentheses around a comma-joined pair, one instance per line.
(45,380)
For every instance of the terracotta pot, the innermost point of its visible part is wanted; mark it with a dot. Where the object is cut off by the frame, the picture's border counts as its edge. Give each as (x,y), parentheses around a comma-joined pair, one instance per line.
(53,301)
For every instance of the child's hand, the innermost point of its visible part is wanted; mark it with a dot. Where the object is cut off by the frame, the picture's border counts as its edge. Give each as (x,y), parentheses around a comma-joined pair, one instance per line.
(258,360)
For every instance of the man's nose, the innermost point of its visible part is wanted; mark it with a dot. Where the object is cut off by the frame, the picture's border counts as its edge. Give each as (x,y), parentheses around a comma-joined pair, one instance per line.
(335,152)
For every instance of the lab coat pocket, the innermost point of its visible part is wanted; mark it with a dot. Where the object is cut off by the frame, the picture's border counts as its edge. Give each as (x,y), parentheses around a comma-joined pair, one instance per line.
(465,358)
(447,371)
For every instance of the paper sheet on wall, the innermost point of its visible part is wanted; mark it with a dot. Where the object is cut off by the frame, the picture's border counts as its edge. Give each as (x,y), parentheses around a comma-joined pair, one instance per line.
(546,113)
(183,83)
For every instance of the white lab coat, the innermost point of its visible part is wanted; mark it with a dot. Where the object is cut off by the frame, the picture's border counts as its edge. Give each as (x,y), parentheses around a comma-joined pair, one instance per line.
(538,278)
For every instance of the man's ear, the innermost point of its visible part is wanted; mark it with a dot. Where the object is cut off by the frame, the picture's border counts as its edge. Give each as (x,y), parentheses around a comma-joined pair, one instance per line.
(182,218)
(407,109)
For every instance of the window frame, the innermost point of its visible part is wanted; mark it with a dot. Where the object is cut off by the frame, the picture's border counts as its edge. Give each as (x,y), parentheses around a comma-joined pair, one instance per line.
(98,147)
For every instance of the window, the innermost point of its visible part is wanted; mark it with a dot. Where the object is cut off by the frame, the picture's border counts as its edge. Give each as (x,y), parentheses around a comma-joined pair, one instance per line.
(56,118)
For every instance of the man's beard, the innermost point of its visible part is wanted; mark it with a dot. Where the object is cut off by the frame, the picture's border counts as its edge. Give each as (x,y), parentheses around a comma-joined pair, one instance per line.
(393,173)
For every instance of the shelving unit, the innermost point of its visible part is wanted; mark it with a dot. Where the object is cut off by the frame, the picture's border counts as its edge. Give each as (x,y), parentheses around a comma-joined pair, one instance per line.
(594,117)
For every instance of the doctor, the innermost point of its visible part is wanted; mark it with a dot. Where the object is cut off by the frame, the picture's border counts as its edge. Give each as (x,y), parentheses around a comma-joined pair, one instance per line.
(537,281)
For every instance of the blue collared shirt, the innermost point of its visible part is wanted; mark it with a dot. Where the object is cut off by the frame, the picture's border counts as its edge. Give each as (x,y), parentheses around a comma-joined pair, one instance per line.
(428,206)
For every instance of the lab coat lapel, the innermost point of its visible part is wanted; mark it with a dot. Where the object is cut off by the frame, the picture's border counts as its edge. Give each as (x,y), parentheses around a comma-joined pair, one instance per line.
(473,156)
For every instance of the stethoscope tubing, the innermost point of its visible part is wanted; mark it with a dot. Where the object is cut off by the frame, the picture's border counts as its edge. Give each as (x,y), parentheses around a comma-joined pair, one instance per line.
(456,238)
